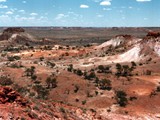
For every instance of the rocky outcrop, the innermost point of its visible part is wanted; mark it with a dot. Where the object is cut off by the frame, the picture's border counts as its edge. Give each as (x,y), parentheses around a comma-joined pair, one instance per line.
(153,34)
(13,30)
(125,36)
(8,95)
(120,40)
(7,33)
(17,35)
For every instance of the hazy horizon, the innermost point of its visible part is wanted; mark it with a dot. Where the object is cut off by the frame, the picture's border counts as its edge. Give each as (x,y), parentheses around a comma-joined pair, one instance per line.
(85,26)
(82,13)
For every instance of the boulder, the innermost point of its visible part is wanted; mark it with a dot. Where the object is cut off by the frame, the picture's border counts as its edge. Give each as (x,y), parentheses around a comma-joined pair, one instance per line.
(8,95)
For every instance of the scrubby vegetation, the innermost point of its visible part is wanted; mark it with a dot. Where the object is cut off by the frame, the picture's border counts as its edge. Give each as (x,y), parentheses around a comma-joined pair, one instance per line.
(121,98)
(4,80)
(51,82)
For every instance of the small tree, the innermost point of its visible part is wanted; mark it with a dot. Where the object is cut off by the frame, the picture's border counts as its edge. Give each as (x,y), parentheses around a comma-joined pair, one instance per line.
(76,88)
(30,71)
(126,70)
(13,58)
(101,68)
(79,72)
(51,64)
(158,89)
(4,80)
(118,66)
(105,84)
(91,75)
(51,82)
(121,98)
(41,58)
(70,68)
(96,80)
(133,64)
(34,77)
(119,69)
(42,91)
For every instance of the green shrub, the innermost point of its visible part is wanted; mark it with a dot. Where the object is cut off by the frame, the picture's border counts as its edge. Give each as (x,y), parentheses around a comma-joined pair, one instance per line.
(42,91)
(33,77)
(121,98)
(79,72)
(76,88)
(83,102)
(96,92)
(13,58)
(133,64)
(51,82)
(30,71)
(105,84)
(4,80)
(62,110)
(70,68)
(158,89)
(91,75)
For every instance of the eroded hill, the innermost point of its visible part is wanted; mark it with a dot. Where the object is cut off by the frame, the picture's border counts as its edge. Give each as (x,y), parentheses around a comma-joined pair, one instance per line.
(118,79)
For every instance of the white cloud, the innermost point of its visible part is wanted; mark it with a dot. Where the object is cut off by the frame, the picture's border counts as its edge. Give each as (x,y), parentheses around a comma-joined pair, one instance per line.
(3,6)
(60,16)
(145,18)
(96,0)
(18,18)
(143,0)
(3,0)
(108,9)
(120,11)
(13,9)
(34,20)
(5,19)
(24,2)
(4,16)
(105,3)
(123,7)
(100,16)
(43,18)
(123,17)
(69,17)
(22,11)
(9,13)
(34,14)
(31,18)
(84,6)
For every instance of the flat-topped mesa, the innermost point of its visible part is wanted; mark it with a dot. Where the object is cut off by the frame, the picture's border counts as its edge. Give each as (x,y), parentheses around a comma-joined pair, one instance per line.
(13,30)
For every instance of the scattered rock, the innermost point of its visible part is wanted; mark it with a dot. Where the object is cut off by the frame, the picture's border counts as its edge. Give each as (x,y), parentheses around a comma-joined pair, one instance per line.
(8,95)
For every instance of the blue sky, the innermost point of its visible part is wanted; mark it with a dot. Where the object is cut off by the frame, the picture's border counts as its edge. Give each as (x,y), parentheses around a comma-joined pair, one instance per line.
(84,13)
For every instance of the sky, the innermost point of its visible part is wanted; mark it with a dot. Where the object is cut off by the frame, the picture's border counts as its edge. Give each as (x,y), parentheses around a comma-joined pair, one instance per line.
(80,13)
